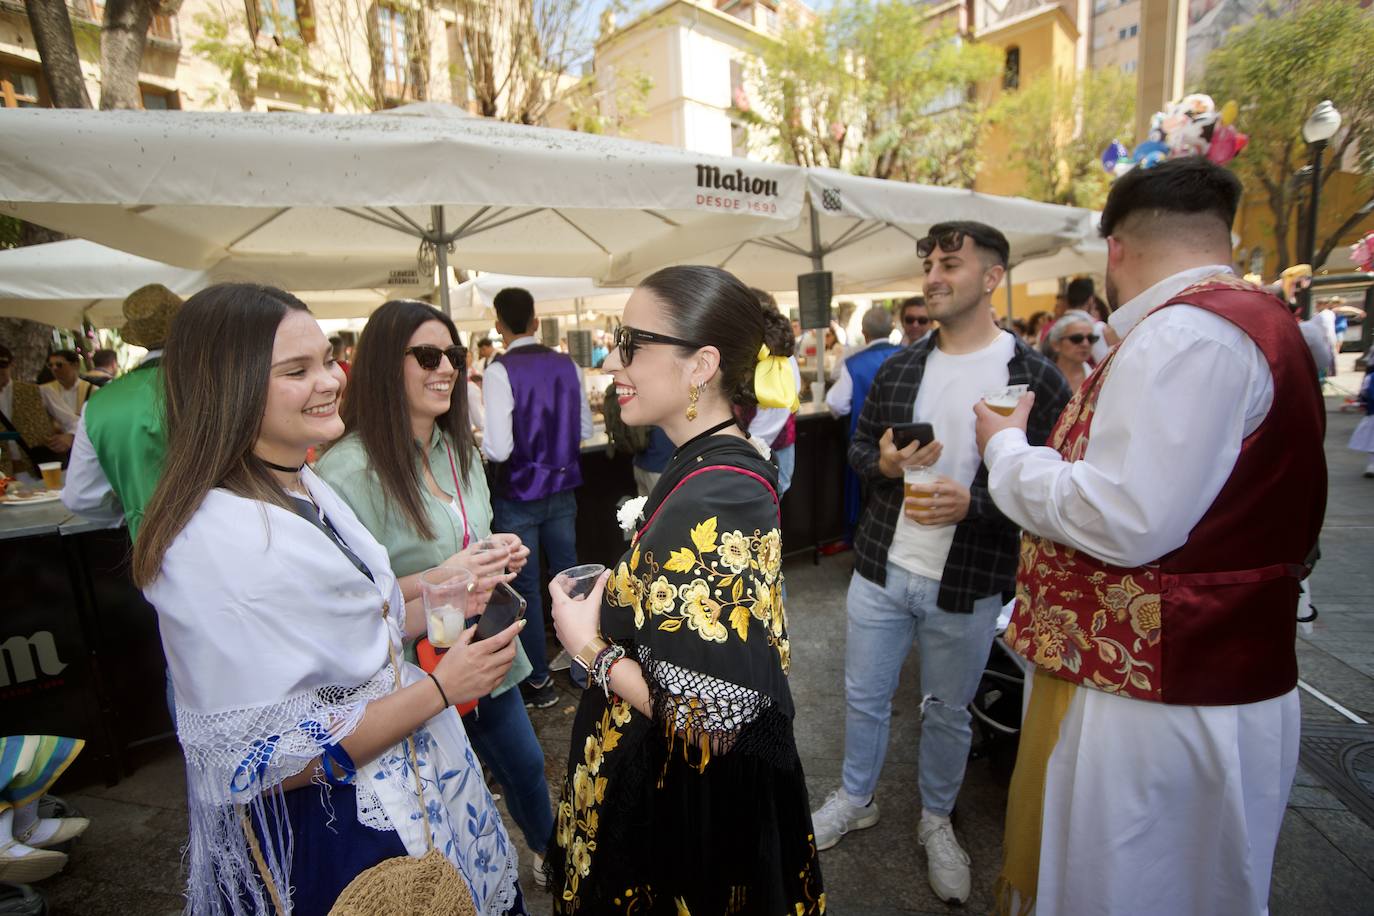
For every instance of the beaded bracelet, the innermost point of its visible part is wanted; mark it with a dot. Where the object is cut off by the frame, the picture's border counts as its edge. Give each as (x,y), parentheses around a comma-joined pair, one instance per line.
(601,669)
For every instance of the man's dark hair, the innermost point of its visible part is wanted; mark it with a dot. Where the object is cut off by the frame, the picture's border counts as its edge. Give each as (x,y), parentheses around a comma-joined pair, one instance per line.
(104,358)
(984,236)
(485,342)
(1187,185)
(1079,292)
(68,355)
(515,308)
(5,353)
(909,302)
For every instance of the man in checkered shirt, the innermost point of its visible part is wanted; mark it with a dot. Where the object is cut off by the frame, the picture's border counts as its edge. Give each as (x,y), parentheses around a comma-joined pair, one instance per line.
(933,571)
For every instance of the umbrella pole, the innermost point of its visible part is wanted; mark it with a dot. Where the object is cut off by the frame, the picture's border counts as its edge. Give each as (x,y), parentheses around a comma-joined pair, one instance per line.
(441,258)
(817,264)
(1010,319)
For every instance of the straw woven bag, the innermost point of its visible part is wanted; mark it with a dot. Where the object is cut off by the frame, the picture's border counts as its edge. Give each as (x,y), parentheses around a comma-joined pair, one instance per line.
(401,886)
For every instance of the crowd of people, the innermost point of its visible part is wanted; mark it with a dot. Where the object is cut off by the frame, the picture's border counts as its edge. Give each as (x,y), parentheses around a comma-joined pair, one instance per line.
(1121,512)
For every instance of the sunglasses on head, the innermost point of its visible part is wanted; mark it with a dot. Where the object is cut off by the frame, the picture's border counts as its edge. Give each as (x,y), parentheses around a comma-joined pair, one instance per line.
(1079,338)
(915,319)
(628,339)
(428,356)
(950,241)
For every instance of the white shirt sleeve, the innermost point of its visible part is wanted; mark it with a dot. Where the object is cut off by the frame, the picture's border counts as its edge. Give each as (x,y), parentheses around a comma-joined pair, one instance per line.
(1166,434)
(838,397)
(498,403)
(59,410)
(87,491)
(475,411)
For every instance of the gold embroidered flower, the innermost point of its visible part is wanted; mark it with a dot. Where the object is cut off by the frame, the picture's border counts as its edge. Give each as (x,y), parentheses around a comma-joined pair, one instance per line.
(770,554)
(1145,618)
(581,857)
(584,790)
(620,712)
(763,604)
(695,595)
(660,596)
(704,617)
(622,587)
(734,551)
(565,824)
(785,654)
(591,749)
(1058,639)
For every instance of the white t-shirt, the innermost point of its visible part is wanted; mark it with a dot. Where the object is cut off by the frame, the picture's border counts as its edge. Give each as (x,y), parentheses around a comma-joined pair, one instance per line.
(952,384)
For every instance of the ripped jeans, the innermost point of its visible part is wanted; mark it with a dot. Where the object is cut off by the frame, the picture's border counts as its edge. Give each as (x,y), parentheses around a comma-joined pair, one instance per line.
(883,623)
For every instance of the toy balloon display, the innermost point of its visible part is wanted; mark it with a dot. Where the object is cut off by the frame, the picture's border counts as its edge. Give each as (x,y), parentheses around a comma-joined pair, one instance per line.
(1190,126)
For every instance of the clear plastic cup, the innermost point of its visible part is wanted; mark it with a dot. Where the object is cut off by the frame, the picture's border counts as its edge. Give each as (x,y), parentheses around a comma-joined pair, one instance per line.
(1004,400)
(52,474)
(579,581)
(919,482)
(447,595)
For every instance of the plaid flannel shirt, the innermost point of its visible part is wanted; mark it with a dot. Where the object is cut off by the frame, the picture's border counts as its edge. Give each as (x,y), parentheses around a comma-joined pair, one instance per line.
(983,556)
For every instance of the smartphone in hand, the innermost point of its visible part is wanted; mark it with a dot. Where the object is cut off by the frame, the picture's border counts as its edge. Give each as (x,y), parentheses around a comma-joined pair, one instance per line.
(903,434)
(503,608)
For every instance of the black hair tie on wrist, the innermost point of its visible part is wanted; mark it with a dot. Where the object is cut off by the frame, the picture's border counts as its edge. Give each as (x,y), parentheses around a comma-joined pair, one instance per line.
(440,687)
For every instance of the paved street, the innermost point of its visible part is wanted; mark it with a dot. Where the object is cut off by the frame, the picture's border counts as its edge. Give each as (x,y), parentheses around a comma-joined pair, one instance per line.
(129,860)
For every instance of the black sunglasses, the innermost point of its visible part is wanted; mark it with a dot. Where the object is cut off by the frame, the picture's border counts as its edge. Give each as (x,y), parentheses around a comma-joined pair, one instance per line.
(915,319)
(1079,338)
(428,356)
(950,241)
(628,339)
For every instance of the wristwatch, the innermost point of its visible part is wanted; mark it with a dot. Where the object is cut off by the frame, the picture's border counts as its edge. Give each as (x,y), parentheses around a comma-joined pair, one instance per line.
(586,656)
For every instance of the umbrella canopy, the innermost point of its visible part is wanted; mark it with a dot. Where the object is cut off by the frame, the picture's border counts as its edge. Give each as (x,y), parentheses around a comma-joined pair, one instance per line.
(195,188)
(864,231)
(1086,257)
(61,283)
(552,295)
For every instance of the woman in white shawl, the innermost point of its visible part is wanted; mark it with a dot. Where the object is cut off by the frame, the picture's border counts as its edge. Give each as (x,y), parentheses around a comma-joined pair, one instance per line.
(279,615)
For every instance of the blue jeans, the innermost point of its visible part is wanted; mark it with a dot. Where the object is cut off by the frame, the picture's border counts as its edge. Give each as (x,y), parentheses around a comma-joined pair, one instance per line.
(883,622)
(503,738)
(787,463)
(550,523)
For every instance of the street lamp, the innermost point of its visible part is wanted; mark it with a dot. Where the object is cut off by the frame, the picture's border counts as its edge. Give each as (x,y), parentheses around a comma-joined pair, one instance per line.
(1320,127)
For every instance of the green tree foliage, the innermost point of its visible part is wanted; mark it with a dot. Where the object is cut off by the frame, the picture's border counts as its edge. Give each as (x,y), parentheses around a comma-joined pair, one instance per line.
(1057,128)
(1278,69)
(874,87)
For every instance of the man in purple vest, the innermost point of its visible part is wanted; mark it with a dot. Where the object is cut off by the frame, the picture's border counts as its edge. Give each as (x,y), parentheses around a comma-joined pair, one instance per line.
(537,417)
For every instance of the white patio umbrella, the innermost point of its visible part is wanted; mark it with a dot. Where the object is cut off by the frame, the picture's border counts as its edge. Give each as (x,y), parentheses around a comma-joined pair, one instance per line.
(864,231)
(61,283)
(194,188)
(552,295)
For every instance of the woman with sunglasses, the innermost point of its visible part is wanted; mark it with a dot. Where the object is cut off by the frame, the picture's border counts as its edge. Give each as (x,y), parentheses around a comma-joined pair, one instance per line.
(409,469)
(684,791)
(1070,345)
(281,620)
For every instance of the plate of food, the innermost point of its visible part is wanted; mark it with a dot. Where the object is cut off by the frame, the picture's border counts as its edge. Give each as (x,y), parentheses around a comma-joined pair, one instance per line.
(22,496)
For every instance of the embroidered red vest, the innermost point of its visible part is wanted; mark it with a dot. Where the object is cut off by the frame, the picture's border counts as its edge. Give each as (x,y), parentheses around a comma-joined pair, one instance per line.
(1213,622)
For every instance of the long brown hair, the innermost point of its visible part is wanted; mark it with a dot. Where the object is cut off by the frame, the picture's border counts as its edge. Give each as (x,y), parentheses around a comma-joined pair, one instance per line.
(214,373)
(377,410)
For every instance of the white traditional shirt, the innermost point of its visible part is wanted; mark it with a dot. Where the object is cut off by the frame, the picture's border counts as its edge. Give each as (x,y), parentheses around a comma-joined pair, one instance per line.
(498,439)
(63,404)
(1186,387)
(768,421)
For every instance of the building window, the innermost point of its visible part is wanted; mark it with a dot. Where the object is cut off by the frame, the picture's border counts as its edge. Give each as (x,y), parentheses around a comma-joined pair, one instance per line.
(1100,39)
(1101,6)
(1128,67)
(20,87)
(158,99)
(1133,31)
(391,35)
(278,19)
(1121,35)
(1011,68)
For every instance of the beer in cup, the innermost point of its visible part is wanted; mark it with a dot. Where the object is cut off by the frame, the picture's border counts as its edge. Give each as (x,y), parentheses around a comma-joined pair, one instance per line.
(919,482)
(447,594)
(52,474)
(1003,400)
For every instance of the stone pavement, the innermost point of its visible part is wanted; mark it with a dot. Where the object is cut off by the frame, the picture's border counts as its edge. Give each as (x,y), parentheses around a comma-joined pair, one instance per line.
(128,862)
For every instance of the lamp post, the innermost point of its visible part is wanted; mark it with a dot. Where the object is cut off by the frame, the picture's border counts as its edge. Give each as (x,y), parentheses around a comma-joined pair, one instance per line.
(1320,127)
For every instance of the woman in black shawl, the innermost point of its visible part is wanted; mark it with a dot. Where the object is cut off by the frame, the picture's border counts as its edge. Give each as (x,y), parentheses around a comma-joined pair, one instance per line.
(684,792)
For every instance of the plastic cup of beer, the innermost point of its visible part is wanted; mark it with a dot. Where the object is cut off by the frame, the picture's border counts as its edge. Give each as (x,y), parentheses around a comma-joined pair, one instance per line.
(52,474)
(447,595)
(919,482)
(579,581)
(1004,400)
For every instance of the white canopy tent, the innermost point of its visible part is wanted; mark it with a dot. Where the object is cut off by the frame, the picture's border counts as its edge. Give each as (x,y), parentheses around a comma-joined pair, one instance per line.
(552,295)
(352,193)
(1086,257)
(864,231)
(61,283)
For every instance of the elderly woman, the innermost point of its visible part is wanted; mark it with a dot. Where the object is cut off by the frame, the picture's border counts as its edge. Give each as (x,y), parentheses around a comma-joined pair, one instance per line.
(1070,344)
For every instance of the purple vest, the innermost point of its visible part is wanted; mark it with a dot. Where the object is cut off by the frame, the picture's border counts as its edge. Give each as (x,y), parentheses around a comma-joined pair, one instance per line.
(546,425)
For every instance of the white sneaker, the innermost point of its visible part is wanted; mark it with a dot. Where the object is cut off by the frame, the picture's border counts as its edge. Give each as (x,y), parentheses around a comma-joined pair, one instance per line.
(837,817)
(946,861)
(540,879)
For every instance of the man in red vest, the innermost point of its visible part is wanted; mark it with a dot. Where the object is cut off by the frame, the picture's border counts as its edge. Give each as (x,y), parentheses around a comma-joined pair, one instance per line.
(1167,525)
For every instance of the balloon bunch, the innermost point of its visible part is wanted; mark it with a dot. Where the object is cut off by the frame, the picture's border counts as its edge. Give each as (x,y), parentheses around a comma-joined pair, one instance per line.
(1362,253)
(1190,126)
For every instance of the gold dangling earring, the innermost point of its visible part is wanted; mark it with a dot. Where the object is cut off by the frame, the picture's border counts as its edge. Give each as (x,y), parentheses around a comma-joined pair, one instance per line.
(693,393)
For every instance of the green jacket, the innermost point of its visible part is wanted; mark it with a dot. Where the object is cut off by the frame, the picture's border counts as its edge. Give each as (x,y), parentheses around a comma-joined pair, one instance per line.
(346,469)
(126,424)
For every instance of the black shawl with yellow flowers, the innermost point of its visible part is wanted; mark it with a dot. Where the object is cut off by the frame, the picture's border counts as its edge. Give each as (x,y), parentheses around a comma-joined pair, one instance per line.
(703,807)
